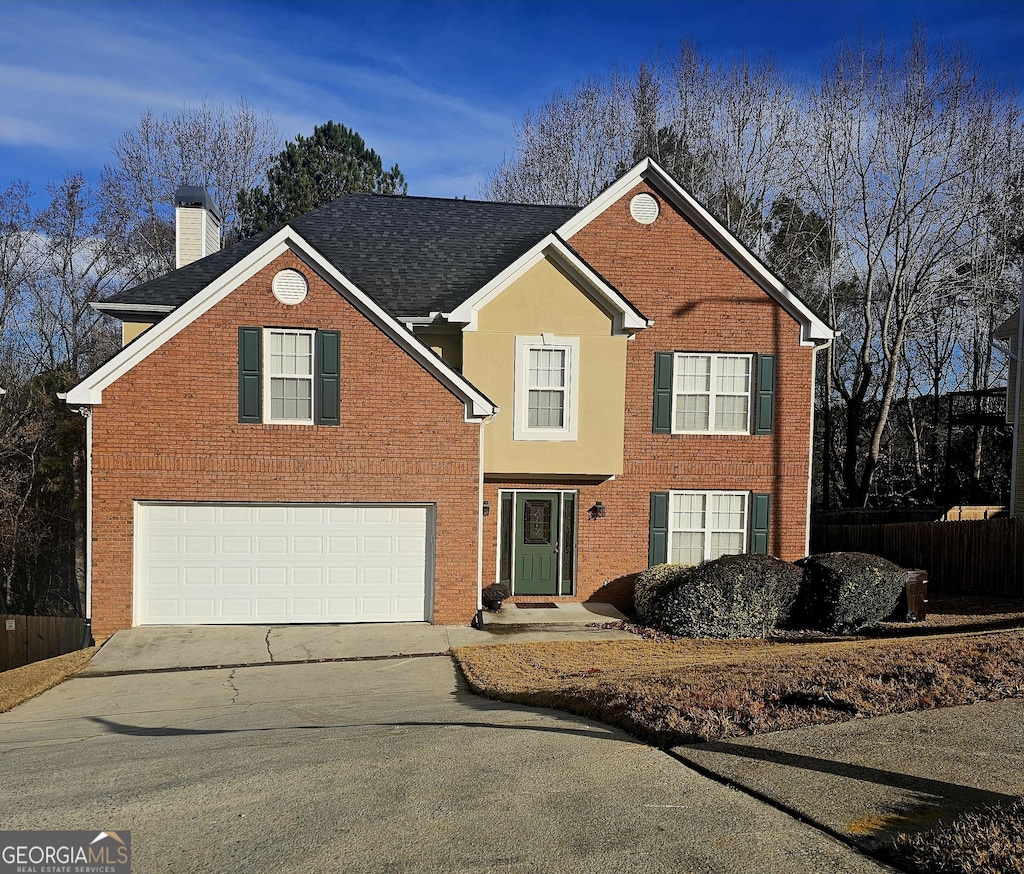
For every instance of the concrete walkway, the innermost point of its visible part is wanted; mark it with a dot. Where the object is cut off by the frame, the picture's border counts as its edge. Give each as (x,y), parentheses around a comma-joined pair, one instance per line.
(868,779)
(171,648)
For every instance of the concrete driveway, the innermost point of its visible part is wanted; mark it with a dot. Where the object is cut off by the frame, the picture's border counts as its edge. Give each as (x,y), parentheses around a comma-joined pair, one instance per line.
(373,766)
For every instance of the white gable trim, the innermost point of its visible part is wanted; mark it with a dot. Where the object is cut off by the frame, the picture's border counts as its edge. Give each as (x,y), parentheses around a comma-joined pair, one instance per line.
(90,390)
(627,319)
(812,329)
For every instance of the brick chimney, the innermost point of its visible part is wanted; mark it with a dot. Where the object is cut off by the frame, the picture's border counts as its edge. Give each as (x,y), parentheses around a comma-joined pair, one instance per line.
(196,225)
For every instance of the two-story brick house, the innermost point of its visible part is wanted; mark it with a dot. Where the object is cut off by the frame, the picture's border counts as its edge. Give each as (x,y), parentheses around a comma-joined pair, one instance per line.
(374,411)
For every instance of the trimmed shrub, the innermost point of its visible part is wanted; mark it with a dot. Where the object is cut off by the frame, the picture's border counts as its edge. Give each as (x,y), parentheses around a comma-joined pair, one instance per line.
(732,596)
(843,592)
(651,584)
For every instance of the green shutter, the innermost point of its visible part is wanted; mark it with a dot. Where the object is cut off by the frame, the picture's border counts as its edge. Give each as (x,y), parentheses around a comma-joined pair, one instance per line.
(568,544)
(765,395)
(250,389)
(663,392)
(505,562)
(759,513)
(657,552)
(328,378)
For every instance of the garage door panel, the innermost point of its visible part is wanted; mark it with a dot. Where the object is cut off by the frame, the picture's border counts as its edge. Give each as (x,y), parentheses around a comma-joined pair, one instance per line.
(200,576)
(199,514)
(232,564)
(201,608)
(239,609)
(272,545)
(269,515)
(236,545)
(236,576)
(308,576)
(307,546)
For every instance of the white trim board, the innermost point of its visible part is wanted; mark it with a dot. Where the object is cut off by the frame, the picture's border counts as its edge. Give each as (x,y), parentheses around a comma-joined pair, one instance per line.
(90,390)
(812,329)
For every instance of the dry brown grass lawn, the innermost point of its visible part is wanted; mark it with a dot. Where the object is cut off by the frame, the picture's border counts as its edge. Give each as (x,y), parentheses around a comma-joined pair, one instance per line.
(20,684)
(989,841)
(686,691)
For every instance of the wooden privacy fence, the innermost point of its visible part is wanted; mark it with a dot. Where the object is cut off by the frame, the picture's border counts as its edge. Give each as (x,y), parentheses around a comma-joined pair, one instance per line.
(981,557)
(27,639)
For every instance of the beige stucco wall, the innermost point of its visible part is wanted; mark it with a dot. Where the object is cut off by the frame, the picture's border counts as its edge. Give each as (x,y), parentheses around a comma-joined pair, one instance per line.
(131,330)
(547,301)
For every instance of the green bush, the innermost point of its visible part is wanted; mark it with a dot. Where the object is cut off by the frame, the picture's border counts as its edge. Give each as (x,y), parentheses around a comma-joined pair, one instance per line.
(732,596)
(843,592)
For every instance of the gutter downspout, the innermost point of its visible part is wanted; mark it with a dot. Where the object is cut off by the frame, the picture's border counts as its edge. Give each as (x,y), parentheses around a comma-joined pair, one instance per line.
(810,455)
(1014,463)
(478,619)
(88,529)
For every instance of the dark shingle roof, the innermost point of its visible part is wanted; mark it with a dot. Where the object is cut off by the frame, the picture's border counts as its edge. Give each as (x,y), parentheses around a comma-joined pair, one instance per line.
(413,255)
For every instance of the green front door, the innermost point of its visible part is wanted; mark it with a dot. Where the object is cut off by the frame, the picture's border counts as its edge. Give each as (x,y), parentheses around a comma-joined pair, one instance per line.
(536,543)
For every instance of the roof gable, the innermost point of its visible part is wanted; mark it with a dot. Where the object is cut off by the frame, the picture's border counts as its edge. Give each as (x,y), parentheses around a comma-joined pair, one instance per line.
(812,328)
(90,390)
(627,318)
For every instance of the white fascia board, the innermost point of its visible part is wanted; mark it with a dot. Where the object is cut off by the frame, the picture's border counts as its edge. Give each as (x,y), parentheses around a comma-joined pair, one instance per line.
(141,309)
(812,329)
(627,318)
(90,390)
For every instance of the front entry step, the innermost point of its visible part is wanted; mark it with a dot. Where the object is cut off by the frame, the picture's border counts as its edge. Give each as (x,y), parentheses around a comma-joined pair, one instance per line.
(512,618)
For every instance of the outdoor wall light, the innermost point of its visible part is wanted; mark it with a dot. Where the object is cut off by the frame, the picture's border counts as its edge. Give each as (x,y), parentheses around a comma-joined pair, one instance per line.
(597,511)
(487,508)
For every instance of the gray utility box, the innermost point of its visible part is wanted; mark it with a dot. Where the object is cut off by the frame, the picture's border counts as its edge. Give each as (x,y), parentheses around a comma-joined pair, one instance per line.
(913,603)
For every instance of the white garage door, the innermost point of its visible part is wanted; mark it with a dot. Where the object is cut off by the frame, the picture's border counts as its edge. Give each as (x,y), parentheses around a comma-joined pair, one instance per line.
(235,564)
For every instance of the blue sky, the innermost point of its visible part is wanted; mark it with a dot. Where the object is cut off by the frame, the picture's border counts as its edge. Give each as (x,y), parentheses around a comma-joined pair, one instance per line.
(435,86)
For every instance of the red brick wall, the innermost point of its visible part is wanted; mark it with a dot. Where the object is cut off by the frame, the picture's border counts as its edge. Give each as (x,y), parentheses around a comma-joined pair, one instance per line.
(168,431)
(699,301)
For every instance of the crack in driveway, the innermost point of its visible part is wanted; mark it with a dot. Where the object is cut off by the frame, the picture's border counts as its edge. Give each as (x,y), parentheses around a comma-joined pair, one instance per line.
(267,640)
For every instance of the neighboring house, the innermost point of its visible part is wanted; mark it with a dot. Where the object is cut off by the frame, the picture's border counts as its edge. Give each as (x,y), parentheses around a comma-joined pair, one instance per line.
(368,414)
(1009,332)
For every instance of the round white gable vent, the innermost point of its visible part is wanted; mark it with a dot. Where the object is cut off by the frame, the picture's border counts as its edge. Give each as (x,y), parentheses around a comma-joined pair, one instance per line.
(644,209)
(290,286)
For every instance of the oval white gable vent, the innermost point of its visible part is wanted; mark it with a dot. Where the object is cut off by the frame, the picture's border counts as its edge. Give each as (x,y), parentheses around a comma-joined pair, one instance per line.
(644,209)
(290,286)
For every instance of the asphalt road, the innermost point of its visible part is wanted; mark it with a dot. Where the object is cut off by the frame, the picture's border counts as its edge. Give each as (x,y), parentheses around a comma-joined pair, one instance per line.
(379,766)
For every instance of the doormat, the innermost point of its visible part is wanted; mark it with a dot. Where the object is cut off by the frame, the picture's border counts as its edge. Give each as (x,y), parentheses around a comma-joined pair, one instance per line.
(538,605)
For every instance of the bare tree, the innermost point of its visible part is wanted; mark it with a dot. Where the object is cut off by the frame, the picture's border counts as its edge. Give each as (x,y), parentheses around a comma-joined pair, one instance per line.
(18,263)
(567,152)
(223,149)
(81,260)
(907,131)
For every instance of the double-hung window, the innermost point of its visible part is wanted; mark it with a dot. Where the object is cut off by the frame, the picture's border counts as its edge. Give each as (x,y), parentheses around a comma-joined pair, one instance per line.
(288,389)
(688,527)
(547,388)
(714,393)
(289,376)
(711,394)
(706,525)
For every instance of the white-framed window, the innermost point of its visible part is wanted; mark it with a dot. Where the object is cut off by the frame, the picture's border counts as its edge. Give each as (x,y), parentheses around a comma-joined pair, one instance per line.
(707,525)
(288,376)
(546,388)
(711,393)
